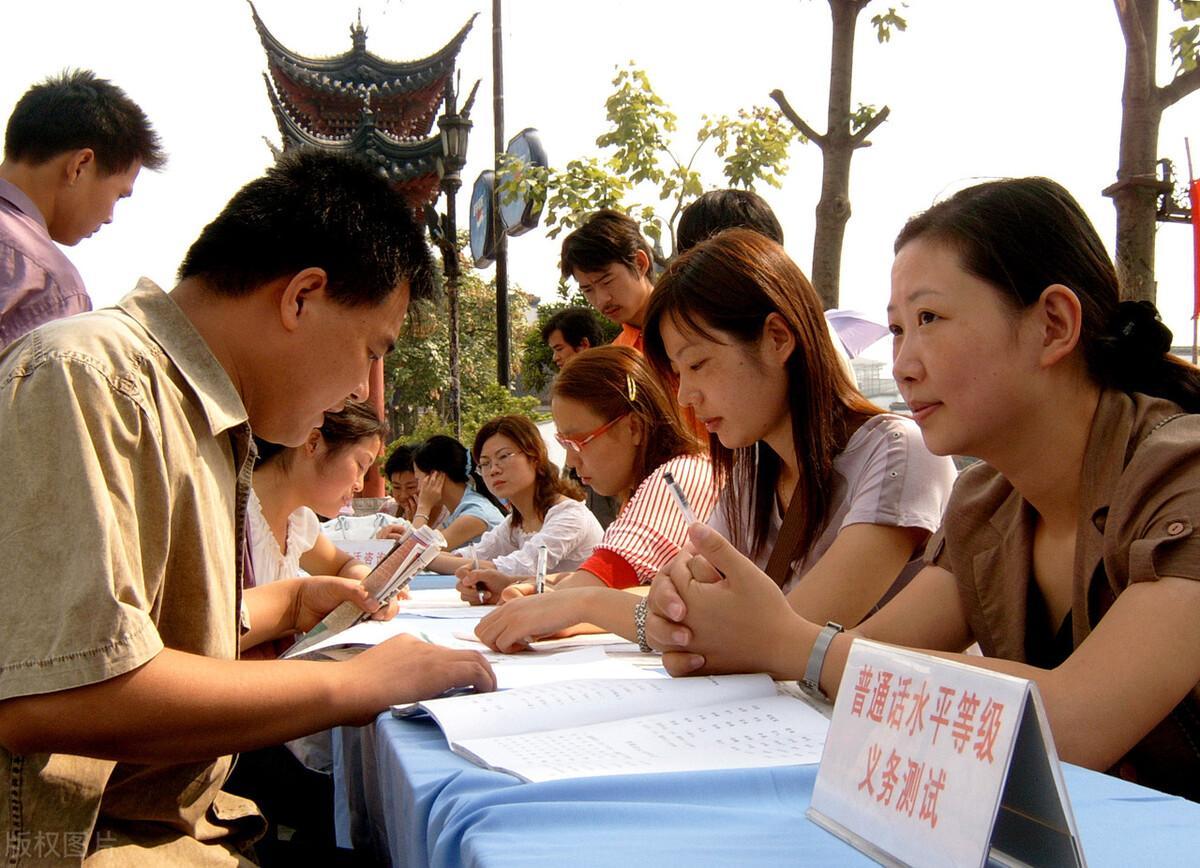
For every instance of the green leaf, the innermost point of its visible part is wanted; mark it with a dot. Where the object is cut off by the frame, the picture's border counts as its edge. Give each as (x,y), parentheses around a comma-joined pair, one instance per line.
(887,22)
(862,116)
(1189,9)
(1185,48)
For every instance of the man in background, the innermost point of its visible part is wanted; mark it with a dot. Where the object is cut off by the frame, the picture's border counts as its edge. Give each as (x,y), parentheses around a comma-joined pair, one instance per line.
(612,262)
(73,147)
(570,331)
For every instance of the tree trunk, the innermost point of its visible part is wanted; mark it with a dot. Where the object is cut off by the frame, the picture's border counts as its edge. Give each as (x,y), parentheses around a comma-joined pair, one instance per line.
(837,146)
(1135,195)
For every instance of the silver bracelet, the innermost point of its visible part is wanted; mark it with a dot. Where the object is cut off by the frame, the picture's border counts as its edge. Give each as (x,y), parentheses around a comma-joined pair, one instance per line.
(639,623)
(816,659)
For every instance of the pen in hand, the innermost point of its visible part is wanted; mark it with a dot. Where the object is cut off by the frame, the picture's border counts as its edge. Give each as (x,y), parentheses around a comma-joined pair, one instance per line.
(680,500)
(480,587)
(539,578)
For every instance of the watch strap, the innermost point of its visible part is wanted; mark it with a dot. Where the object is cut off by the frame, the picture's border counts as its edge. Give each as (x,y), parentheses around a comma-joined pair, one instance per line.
(816,659)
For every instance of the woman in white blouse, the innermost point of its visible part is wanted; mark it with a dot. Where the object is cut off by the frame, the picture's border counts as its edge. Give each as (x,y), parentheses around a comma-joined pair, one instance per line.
(546,509)
(293,485)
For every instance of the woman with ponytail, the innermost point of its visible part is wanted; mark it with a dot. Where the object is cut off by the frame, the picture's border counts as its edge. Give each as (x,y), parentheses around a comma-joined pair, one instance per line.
(1070,554)
(451,495)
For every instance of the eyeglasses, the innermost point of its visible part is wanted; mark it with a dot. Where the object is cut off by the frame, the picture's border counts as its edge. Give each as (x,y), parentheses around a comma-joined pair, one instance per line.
(500,458)
(577,443)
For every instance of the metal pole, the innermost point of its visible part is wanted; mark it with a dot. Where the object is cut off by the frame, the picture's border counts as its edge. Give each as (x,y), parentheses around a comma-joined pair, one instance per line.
(501,239)
(1187,146)
(450,266)
(450,185)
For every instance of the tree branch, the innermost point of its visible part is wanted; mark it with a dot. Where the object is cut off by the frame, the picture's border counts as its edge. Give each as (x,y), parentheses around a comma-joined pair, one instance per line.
(859,139)
(1179,87)
(797,121)
(1139,77)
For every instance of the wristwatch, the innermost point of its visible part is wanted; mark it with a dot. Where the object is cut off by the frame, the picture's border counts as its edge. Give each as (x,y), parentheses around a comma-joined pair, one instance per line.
(816,659)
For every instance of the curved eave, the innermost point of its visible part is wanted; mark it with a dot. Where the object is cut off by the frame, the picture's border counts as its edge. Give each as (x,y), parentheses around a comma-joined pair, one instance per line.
(409,158)
(347,69)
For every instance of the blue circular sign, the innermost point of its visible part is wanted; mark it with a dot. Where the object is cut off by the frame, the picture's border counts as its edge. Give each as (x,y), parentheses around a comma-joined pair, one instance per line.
(520,215)
(482,223)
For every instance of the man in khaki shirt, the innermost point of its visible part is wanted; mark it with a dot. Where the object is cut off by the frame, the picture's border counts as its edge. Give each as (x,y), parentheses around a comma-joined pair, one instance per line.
(119,610)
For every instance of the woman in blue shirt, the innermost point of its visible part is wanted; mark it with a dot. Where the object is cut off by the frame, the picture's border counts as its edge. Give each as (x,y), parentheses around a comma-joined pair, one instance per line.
(452,496)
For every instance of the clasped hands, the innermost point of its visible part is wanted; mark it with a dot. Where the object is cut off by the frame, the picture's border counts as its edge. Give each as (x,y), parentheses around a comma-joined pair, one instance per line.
(713,611)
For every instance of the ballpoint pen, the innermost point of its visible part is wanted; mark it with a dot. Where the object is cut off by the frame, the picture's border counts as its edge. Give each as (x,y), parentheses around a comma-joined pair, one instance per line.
(680,500)
(480,587)
(539,578)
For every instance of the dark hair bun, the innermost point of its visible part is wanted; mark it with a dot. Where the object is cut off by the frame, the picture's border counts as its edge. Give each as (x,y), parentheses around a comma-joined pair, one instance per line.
(1137,330)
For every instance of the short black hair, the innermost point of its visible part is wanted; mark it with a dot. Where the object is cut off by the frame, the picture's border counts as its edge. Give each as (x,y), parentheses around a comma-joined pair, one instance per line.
(607,236)
(74,110)
(725,209)
(315,209)
(400,461)
(576,325)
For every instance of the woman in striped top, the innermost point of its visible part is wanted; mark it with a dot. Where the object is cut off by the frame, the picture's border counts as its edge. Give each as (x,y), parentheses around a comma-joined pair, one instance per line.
(622,432)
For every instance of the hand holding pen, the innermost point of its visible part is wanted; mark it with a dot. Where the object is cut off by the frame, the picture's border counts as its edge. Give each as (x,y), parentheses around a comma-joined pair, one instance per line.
(480,587)
(680,499)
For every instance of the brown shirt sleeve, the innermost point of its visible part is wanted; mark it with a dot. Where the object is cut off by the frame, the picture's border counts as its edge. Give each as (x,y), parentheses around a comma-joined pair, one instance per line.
(1150,530)
(83,506)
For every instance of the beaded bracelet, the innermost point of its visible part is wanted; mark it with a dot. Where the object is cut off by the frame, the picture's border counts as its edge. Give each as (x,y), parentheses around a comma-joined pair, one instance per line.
(639,623)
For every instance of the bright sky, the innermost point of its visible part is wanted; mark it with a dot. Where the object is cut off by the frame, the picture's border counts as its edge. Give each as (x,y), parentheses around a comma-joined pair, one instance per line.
(976,90)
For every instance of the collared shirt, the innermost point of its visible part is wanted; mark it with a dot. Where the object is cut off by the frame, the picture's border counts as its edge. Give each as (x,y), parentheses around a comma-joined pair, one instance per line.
(885,476)
(633,337)
(630,336)
(37,281)
(650,529)
(1139,507)
(126,460)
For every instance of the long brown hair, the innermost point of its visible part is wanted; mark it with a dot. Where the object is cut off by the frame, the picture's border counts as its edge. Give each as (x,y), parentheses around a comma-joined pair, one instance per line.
(730,284)
(612,381)
(548,483)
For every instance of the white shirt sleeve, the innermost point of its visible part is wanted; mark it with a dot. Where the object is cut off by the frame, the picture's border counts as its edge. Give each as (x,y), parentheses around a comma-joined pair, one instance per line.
(494,543)
(569,532)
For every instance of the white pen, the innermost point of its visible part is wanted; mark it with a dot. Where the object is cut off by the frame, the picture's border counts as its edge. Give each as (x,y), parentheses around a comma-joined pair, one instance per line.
(539,578)
(480,587)
(680,500)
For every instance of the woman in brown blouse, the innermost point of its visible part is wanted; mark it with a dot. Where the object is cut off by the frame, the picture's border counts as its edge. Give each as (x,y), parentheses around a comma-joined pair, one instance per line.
(1071,554)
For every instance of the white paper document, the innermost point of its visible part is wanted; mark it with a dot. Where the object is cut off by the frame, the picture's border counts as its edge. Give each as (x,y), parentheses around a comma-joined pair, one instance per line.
(610,641)
(589,728)
(526,670)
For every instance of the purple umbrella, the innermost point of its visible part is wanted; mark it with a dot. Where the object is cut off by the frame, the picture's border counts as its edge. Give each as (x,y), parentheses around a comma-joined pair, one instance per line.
(856,330)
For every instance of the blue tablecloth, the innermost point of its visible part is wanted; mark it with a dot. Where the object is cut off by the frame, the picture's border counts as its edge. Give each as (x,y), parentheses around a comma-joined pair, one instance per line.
(401,792)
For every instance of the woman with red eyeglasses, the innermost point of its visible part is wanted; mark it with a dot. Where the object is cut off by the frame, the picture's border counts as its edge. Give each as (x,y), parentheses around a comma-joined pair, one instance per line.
(622,433)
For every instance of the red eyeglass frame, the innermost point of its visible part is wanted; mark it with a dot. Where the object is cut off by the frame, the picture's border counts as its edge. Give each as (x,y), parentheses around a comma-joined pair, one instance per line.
(577,443)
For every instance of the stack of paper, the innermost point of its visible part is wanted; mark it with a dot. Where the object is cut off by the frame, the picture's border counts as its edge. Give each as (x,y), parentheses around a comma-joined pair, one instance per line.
(585,728)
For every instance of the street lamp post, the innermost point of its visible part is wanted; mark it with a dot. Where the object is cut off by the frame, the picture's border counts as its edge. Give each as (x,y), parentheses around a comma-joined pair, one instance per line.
(454,128)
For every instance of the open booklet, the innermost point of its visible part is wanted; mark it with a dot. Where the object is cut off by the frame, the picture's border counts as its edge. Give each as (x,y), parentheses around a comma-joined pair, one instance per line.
(411,554)
(591,728)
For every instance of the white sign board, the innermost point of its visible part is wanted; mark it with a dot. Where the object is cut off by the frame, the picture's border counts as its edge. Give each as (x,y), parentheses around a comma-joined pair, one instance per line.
(369,551)
(931,762)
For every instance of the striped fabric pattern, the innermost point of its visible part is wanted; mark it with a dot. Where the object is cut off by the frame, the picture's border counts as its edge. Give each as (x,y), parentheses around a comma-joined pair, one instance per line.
(650,530)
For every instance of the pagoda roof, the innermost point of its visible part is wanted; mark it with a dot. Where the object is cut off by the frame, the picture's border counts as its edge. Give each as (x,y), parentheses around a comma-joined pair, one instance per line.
(358,102)
(412,165)
(360,67)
